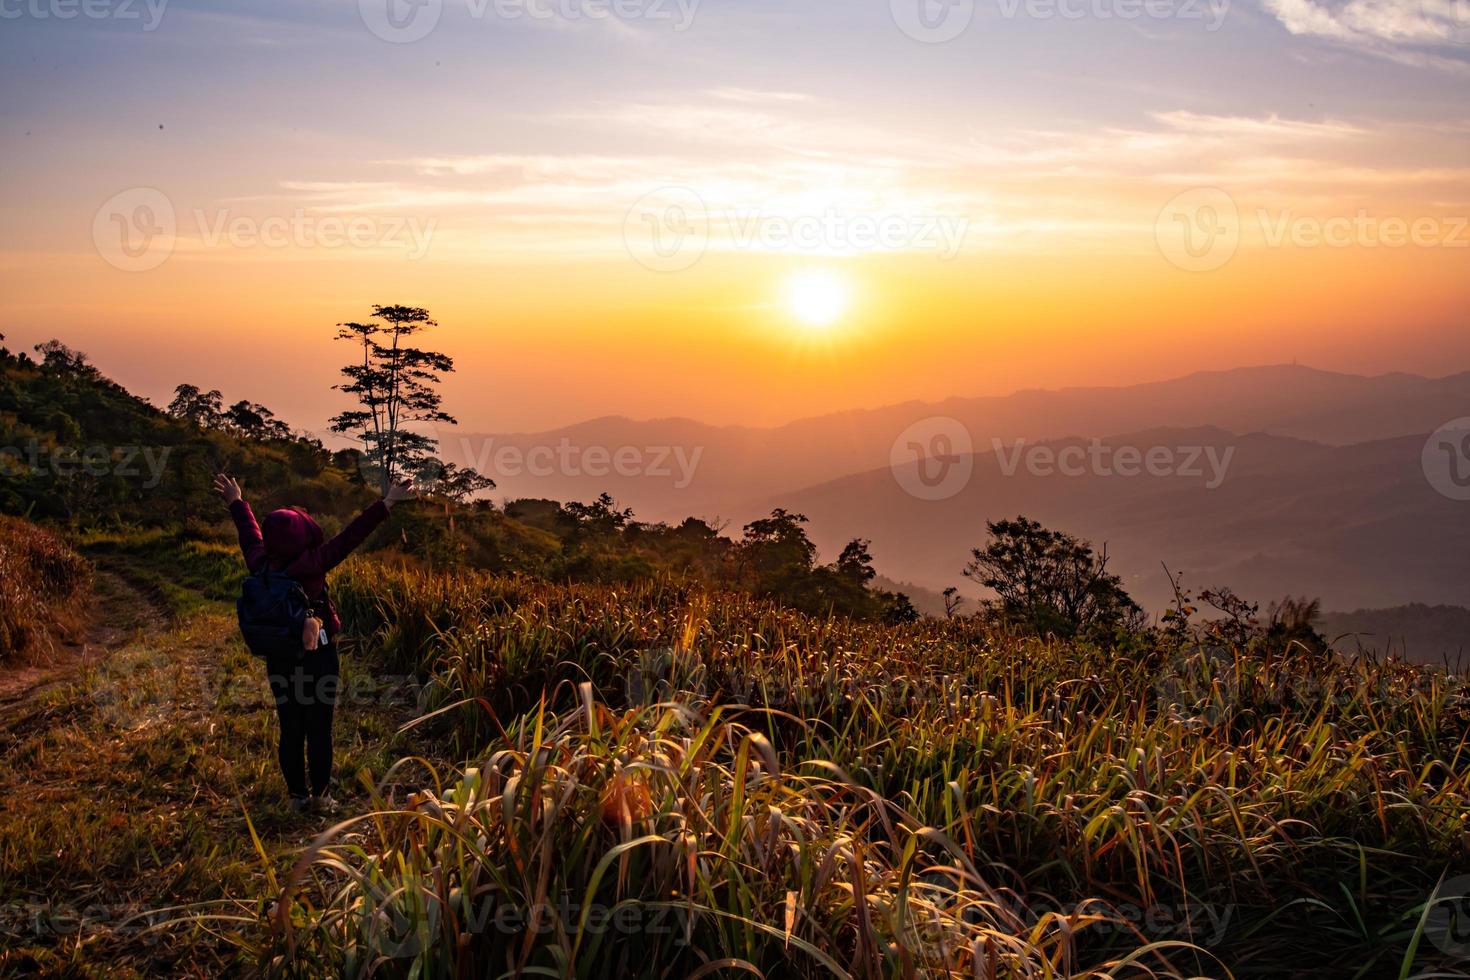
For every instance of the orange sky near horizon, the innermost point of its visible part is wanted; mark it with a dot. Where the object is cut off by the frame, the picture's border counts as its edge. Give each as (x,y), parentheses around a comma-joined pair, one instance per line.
(624,242)
(721,347)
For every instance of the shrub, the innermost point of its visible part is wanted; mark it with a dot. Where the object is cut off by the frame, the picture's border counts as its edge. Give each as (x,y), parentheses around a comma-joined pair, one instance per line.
(39,576)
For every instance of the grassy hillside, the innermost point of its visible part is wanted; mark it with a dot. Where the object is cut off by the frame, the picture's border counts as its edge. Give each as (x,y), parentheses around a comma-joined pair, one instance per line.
(801,794)
(82,452)
(581,745)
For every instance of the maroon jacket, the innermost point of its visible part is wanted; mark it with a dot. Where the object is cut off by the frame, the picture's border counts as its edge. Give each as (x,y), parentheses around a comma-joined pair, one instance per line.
(292,543)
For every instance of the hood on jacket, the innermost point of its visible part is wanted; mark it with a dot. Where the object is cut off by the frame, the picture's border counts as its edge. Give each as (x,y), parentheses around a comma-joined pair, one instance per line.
(289,532)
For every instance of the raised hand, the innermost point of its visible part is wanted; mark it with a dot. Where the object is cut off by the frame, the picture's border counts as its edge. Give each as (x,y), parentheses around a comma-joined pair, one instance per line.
(399,491)
(227,488)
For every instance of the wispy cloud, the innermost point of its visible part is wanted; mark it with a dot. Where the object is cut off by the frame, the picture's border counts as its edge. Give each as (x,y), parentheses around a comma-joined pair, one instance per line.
(744,153)
(1422,33)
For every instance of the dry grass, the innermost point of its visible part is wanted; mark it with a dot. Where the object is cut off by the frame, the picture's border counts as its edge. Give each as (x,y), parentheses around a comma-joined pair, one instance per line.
(40,577)
(803,796)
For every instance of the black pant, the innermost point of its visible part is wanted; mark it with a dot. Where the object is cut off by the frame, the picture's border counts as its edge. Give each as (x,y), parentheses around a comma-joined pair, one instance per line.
(305,687)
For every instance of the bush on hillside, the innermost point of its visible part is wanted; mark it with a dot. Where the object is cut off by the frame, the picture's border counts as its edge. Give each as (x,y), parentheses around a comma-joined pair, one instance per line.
(39,574)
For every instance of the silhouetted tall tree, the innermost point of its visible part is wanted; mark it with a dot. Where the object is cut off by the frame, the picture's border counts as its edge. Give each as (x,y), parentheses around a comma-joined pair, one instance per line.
(394,384)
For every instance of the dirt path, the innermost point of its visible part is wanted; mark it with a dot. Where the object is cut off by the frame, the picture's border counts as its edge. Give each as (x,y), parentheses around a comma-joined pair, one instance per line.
(115,612)
(127,771)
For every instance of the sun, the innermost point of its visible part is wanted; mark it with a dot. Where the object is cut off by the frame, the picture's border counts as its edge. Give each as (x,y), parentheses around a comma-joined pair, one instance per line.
(817,297)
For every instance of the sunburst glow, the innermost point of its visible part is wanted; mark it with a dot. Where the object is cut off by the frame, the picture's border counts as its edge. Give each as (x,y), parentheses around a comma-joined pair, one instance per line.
(818,298)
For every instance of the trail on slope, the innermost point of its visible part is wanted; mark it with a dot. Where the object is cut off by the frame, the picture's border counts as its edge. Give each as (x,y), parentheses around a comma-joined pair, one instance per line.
(127,767)
(116,612)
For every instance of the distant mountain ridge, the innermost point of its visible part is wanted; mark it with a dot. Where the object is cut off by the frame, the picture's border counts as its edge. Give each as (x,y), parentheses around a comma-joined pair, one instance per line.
(1427,634)
(1357,525)
(1324,494)
(727,466)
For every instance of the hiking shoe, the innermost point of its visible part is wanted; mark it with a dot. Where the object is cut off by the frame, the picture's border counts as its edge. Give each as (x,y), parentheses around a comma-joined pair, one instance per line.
(299,804)
(324,804)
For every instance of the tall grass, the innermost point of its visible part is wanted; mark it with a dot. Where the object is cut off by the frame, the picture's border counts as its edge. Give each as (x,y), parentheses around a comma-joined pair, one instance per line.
(39,576)
(808,796)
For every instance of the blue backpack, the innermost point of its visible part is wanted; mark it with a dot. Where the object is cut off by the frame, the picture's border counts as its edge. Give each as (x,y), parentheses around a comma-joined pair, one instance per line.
(272,608)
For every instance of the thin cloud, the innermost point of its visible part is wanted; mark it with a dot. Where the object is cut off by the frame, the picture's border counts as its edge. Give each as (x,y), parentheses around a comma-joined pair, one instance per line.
(1411,32)
(1082,187)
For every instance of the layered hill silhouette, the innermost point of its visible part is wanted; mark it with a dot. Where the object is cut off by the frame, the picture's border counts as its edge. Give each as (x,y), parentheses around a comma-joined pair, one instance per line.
(727,469)
(1284,481)
(1357,525)
(1324,492)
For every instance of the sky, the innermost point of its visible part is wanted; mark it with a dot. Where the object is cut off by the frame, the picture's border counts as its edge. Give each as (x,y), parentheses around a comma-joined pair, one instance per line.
(741,212)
